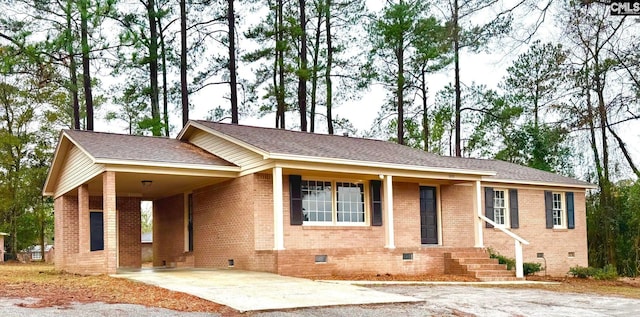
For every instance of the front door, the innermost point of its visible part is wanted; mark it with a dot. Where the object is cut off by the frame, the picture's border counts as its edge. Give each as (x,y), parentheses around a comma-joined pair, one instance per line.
(428,215)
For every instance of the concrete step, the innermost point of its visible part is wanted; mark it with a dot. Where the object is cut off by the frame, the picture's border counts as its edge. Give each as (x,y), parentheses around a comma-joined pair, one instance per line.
(486,260)
(494,273)
(498,279)
(482,267)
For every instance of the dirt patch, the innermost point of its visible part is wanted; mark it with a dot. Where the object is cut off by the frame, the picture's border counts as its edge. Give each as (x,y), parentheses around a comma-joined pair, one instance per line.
(54,288)
(625,287)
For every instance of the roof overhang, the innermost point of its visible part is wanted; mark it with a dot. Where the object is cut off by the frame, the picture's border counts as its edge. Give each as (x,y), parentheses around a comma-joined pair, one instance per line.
(540,183)
(129,166)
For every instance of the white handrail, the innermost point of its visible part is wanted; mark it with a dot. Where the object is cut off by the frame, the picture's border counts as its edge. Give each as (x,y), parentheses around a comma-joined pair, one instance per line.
(501,228)
(518,245)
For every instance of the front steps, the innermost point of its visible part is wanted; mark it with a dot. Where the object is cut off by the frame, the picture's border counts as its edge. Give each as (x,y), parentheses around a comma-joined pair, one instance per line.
(476,263)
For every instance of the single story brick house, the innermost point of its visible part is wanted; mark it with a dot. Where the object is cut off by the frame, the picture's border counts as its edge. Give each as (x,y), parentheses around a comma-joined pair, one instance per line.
(304,204)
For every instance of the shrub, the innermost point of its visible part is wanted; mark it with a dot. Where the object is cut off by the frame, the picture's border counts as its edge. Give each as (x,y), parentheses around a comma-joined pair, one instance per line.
(581,271)
(609,272)
(531,268)
(528,268)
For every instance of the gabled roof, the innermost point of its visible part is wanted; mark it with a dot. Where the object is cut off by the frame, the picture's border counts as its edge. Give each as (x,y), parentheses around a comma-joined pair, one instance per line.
(122,147)
(284,144)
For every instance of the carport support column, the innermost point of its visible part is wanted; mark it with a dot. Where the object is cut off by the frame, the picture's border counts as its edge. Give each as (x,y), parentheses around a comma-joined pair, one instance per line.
(110,221)
(84,231)
(278,210)
(388,207)
(477,207)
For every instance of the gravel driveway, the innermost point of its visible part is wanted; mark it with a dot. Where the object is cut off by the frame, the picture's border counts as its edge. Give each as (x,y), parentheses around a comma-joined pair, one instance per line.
(475,301)
(439,300)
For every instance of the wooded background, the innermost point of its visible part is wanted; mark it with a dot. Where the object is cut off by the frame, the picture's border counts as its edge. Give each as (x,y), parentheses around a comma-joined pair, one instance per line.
(563,106)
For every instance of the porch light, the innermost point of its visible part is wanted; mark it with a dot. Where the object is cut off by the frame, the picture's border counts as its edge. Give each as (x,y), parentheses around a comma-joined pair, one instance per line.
(146,183)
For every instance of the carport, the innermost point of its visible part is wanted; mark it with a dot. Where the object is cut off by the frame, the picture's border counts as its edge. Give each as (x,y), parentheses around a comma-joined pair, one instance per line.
(98,181)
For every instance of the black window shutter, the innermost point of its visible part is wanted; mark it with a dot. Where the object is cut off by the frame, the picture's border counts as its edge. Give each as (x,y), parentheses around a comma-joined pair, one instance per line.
(513,208)
(376,203)
(295,203)
(548,208)
(571,222)
(488,204)
(96,231)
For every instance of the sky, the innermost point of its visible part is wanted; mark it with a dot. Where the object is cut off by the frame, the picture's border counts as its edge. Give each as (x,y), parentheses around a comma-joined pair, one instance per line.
(487,68)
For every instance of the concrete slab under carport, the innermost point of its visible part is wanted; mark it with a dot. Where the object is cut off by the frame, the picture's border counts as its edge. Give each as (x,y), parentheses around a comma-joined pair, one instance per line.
(259,291)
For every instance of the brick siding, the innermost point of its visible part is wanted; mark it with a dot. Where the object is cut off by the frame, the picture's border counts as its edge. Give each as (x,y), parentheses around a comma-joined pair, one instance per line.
(168,229)
(554,243)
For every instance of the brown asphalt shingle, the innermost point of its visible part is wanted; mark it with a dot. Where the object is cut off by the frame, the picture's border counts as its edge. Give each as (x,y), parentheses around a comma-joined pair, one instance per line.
(278,141)
(141,148)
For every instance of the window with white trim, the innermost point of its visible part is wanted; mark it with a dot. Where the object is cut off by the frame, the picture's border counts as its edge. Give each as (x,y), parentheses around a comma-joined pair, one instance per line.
(558,210)
(500,207)
(333,202)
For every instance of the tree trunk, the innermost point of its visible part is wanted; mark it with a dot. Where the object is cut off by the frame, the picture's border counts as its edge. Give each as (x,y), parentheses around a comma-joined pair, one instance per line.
(165,102)
(86,69)
(327,72)
(314,72)
(456,60)
(153,67)
(280,66)
(302,73)
(184,90)
(231,20)
(400,91)
(425,118)
(73,84)
(626,154)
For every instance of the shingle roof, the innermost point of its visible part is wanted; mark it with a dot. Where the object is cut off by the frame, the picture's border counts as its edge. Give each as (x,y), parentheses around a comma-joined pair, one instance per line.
(140,148)
(278,141)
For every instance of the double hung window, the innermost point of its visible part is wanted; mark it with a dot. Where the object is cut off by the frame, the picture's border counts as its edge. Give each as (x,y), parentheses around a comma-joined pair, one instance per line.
(333,202)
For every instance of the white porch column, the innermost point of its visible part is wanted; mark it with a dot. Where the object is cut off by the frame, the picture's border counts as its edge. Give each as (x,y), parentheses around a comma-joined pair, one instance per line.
(278,226)
(519,260)
(388,207)
(477,206)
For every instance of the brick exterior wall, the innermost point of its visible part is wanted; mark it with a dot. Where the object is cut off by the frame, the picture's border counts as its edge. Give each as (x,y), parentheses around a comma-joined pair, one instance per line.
(129,232)
(168,229)
(72,234)
(457,215)
(223,224)
(554,243)
(234,220)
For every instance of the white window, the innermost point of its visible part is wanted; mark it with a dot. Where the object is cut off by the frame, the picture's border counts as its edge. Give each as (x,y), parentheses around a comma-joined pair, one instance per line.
(500,207)
(558,210)
(331,202)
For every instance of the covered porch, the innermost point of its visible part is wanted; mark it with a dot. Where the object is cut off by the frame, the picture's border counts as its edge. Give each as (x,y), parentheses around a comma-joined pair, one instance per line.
(98,224)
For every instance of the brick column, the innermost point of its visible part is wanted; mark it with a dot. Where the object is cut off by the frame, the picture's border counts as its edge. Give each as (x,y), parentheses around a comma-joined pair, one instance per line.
(84,229)
(58,232)
(110,222)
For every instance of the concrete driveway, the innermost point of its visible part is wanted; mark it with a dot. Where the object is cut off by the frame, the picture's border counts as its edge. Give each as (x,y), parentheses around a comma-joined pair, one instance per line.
(255,291)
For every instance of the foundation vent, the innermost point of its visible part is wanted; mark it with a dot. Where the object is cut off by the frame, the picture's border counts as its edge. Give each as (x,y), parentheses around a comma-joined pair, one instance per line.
(321,258)
(407,256)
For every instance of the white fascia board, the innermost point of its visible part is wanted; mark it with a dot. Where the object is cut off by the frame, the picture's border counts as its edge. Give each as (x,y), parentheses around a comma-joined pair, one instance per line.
(313,159)
(168,165)
(539,183)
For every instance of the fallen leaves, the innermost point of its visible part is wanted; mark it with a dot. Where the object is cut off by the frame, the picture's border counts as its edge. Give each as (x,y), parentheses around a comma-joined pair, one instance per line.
(54,288)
